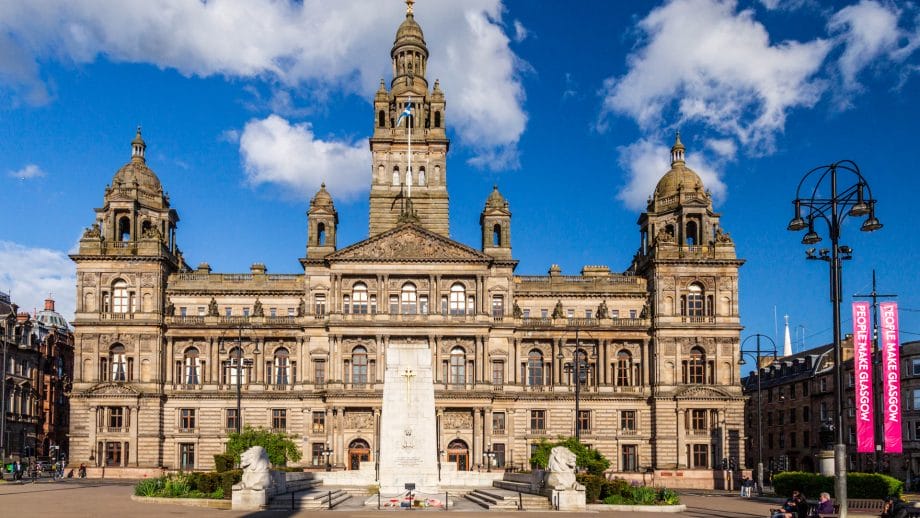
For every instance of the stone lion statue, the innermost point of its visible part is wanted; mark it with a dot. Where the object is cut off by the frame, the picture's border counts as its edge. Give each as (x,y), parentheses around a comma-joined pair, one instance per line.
(560,470)
(255,464)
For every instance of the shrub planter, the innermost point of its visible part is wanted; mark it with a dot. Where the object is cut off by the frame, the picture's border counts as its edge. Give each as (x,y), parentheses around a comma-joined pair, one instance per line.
(210,503)
(639,508)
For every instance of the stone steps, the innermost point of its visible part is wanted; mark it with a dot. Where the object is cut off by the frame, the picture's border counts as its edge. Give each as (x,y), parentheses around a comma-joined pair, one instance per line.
(316,499)
(505,500)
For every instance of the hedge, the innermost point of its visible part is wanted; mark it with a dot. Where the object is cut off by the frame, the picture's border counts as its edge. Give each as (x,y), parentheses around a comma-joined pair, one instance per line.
(208,482)
(859,485)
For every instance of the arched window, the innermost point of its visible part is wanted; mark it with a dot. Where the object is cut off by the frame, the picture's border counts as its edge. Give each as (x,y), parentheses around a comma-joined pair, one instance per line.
(457,366)
(359,365)
(693,301)
(457,299)
(120,297)
(408,177)
(696,366)
(535,368)
(624,369)
(497,235)
(191,366)
(421,176)
(281,367)
(321,234)
(381,119)
(437,119)
(118,363)
(359,298)
(124,228)
(145,227)
(235,368)
(692,233)
(408,299)
(395,176)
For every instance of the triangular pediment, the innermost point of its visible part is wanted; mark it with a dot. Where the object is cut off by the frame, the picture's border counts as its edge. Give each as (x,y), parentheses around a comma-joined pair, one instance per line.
(409,243)
(699,392)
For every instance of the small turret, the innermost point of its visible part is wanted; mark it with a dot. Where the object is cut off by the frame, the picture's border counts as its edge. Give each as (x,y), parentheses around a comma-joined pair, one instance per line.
(322,222)
(496,226)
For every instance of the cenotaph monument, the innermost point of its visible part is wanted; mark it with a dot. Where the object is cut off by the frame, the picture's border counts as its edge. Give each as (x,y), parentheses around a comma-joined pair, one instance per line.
(408,429)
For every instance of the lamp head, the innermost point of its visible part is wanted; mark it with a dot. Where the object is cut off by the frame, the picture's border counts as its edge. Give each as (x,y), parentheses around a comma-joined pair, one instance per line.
(797,223)
(741,361)
(871,224)
(861,208)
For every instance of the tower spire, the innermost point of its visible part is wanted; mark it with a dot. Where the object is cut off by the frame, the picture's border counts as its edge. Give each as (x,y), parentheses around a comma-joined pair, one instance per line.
(787,339)
(409,7)
(138,146)
(677,150)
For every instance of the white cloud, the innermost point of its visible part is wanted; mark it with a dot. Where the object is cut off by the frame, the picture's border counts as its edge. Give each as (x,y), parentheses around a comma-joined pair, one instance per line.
(645,161)
(289,155)
(703,61)
(28,172)
(313,45)
(31,274)
(520,32)
(723,147)
(869,31)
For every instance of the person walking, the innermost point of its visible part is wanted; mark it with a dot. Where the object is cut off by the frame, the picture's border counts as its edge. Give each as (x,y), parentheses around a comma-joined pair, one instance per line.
(17,471)
(745,487)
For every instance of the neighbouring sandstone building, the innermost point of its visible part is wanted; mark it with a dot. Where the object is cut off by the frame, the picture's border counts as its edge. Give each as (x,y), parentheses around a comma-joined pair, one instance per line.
(162,349)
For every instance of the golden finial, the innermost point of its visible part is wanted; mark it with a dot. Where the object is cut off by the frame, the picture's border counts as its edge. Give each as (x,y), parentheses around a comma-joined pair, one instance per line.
(409,7)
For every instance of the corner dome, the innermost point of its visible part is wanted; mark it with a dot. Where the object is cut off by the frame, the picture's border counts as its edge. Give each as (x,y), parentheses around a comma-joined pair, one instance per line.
(496,200)
(322,198)
(679,177)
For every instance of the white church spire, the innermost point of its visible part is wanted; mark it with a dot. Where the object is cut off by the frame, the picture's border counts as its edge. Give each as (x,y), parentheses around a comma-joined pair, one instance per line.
(787,340)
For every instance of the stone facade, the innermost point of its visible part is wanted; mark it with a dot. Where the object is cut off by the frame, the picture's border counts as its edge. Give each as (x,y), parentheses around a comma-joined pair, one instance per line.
(799,405)
(166,347)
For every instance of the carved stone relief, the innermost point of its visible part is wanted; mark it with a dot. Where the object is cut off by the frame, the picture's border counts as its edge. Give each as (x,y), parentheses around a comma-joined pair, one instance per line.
(359,421)
(457,421)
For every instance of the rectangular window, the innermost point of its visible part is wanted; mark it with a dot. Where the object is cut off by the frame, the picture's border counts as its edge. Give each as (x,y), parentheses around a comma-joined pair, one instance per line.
(373,304)
(319,372)
(183,311)
(498,373)
(700,455)
(806,439)
(823,384)
(614,313)
(630,458)
(781,417)
(588,314)
(791,415)
(584,421)
(319,422)
(782,440)
(916,399)
(201,311)
(499,450)
(823,411)
(498,423)
(769,418)
(316,453)
(245,312)
(792,391)
(770,441)
(319,305)
(279,419)
(346,304)
(915,367)
(537,421)
(628,420)
(112,454)
(423,304)
(805,388)
(186,419)
(498,306)
(917,430)
(570,313)
(291,312)
(116,417)
(544,313)
(186,456)
(633,313)
(228,312)
(233,420)
(698,420)
(526,313)
(792,440)
(806,414)
(394,304)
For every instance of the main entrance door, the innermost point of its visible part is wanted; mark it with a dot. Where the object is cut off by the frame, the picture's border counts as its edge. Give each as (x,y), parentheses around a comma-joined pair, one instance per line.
(459,453)
(358,452)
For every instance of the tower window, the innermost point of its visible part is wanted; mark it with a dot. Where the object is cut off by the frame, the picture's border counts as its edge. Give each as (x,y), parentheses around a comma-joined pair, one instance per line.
(124,228)
(692,234)
(321,234)
(381,119)
(437,119)
(496,235)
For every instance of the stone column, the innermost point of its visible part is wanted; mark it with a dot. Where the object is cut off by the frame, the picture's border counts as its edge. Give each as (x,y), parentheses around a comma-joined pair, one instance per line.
(646,360)
(514,362)
(135,433)
(681,436)
(170,353)
(557,365)
(605,363)
(476,447)
(94,412)
(339,436)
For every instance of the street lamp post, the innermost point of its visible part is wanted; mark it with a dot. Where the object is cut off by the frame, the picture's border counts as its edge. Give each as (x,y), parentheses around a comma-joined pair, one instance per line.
(855,200)
(327,452)
(489,454)
(239,376)
(757,356)
(577,360)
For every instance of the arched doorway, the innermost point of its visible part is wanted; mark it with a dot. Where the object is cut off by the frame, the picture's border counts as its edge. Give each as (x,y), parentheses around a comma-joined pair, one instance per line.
(358,452)
(459,453)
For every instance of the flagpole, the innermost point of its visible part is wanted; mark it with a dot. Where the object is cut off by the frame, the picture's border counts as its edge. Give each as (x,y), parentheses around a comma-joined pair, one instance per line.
(409,171)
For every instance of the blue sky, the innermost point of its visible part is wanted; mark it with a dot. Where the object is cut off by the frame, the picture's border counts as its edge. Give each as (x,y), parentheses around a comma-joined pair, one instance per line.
(570,107)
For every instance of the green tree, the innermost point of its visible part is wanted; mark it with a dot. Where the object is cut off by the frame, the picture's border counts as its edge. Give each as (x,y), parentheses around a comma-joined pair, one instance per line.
(588,459)
(278,445)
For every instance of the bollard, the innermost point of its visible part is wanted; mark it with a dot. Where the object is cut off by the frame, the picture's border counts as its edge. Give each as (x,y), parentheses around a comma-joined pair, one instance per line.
(446,500)
(330,500)
(292,502)
(520,502)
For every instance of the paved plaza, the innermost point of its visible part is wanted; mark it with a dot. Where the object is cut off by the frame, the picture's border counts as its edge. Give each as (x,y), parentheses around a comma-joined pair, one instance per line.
(112,498)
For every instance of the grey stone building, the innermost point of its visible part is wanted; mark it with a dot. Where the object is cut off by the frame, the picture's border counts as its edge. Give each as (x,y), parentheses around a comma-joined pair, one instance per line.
(162,348)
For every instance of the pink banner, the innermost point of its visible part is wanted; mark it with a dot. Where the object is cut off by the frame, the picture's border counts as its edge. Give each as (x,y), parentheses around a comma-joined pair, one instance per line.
(891,377)
(862,371)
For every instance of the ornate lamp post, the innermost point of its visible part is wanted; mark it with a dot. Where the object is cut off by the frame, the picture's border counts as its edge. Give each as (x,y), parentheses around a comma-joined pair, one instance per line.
(833,208)
(756,353)
(327,452)
(488,455)
(239,375)
(578,360)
